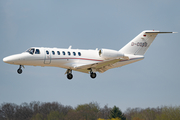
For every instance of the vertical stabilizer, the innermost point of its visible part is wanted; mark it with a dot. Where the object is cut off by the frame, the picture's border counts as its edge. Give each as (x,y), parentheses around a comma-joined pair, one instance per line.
(140,44)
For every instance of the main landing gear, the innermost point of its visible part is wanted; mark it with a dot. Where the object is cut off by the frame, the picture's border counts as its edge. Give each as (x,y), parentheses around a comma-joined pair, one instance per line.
(20,70)
(92,74)
(69,74)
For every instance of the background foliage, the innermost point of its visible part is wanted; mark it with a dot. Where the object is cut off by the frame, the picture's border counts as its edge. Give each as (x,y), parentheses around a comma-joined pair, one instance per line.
(91,111)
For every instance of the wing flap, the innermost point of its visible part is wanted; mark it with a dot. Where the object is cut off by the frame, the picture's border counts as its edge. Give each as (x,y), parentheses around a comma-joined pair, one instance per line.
(100,67)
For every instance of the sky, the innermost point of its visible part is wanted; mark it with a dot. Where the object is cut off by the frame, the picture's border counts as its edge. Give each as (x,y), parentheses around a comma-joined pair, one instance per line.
(91,24)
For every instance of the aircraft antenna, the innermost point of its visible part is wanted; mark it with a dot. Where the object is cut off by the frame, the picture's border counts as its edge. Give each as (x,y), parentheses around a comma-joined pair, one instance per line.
(70,47)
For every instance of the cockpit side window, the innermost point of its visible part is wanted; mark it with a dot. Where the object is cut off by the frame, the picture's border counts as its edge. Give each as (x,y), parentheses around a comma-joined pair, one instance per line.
(37,51)
(31,51)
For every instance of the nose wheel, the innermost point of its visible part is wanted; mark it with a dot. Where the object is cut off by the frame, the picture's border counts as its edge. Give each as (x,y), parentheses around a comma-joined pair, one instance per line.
(20,70)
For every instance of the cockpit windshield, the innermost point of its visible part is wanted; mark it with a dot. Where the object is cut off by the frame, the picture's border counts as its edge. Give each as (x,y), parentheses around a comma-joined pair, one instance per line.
(31,51)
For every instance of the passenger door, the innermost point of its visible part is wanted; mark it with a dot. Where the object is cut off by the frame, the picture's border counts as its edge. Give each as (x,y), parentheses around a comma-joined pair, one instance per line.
(47,59)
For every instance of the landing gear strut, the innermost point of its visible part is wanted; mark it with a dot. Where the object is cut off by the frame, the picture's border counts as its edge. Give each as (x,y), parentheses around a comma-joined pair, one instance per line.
(92,74)
(69,74)
(20,70)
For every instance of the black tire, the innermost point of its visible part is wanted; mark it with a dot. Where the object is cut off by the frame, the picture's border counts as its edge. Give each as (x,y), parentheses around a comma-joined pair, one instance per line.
(19,71)
(93,75)
(69,76)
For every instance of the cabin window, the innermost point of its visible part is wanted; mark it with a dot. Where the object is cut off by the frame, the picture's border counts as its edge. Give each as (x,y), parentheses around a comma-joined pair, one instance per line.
(64,53)
(58,52)
(74,53)
(37,51)
(53,52)
(69,53)
(47,52)
(79,53)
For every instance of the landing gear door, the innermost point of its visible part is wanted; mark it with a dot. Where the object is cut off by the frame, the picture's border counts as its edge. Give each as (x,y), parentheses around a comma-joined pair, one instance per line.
(47,59)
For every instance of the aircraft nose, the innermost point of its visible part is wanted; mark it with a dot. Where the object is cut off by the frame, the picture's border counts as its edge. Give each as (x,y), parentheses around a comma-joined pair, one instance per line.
(11,59)
(7,59)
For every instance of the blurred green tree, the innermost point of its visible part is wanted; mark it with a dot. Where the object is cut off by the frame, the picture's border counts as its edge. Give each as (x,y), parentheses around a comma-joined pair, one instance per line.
(55,115)
(116,113)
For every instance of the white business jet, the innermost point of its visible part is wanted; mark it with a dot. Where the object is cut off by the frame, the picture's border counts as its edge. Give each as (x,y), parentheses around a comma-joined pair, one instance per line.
(86,61)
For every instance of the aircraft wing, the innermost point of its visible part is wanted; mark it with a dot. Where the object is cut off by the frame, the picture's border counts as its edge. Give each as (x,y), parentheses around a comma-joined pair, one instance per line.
(100,66)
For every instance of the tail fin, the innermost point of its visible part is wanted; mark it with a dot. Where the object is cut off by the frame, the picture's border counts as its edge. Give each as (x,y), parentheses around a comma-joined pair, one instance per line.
(140,44)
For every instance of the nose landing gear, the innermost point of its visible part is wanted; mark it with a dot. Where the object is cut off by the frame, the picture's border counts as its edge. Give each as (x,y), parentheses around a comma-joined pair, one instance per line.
(20,70)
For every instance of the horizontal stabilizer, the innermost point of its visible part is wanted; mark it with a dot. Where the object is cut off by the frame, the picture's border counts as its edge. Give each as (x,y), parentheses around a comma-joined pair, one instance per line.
(158,32)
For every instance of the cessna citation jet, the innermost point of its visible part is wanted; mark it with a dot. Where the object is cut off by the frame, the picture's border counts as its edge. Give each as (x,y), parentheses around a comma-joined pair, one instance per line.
(86,61)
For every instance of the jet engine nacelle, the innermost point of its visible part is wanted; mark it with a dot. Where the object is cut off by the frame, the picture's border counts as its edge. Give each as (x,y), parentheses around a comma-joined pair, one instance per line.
(110,54)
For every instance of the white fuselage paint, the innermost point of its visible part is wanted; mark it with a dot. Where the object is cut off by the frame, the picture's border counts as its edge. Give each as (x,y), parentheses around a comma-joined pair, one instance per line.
(55,60)
(64,61)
